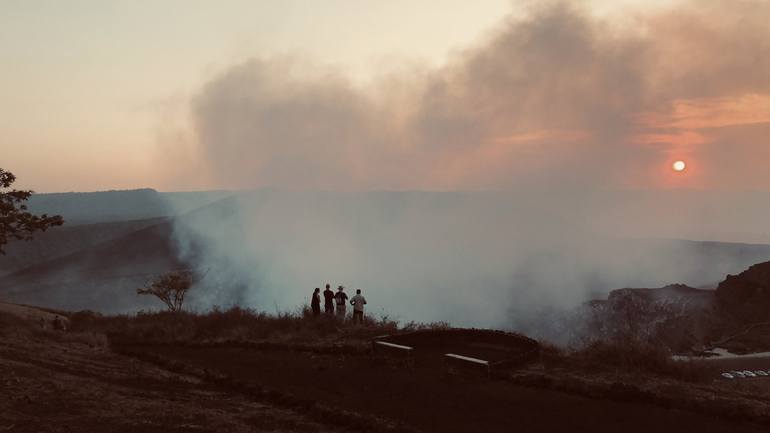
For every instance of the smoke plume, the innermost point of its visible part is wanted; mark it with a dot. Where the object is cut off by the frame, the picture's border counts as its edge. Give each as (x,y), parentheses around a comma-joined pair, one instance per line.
(573,120)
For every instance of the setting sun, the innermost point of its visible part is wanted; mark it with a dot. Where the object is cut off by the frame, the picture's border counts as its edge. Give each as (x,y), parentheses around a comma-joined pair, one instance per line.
(679,166)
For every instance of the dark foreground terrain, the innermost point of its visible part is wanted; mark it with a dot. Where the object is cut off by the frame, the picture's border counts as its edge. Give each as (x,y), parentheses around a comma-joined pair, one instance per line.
(237,371)
(431,401)
(56,382)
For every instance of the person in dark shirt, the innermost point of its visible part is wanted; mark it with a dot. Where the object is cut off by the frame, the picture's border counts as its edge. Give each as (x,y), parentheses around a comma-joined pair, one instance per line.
(341,299)
(315,304)
(328,300)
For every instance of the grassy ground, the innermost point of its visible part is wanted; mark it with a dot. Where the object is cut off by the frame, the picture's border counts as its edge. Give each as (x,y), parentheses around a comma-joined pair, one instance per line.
(294,372)
(632,357)
(237,324)
(60,382)
(301,329)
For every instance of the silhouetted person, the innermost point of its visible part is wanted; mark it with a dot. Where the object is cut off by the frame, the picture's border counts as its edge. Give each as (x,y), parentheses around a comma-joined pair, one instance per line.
(328,300)
(358,303)
(315,304)
(341,297)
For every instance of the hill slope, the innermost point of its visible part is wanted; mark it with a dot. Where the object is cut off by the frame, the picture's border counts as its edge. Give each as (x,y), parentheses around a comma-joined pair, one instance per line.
(109,206)
(100,277)
(61,241)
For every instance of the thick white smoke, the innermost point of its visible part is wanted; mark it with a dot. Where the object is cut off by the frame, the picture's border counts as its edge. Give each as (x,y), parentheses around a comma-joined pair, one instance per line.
(558,111)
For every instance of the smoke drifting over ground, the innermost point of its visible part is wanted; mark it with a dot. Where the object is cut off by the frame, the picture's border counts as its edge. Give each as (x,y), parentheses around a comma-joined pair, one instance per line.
(559,109)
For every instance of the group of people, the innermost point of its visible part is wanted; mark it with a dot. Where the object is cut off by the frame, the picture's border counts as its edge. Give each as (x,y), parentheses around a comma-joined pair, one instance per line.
(337,303)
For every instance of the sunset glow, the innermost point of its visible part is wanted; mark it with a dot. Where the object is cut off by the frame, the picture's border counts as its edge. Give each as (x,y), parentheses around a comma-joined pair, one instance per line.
(501,94)
(501,179)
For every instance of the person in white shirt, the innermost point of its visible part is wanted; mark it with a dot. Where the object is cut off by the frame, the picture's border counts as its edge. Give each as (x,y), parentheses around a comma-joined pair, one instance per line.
(358,303)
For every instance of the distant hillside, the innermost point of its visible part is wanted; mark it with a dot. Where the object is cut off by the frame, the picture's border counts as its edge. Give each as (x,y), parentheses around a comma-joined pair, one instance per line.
(109,206)
(101,265)
(101,277)
(61,241)
(94,217)
(105,206)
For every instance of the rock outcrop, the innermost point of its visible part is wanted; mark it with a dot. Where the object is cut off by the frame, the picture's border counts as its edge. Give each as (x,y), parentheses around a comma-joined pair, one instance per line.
(745,298)
(671,315)
(736,315)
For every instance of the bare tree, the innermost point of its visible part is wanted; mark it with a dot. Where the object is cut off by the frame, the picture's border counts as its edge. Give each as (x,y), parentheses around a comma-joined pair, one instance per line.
(170,287)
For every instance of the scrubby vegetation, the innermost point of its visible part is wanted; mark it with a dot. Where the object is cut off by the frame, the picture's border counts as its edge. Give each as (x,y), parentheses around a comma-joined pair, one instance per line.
(636,357)
(171,288)
(630,355)
(13,327)
(240,325)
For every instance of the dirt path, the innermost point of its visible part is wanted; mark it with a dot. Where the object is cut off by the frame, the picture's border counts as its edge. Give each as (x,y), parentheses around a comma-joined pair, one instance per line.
(432,402)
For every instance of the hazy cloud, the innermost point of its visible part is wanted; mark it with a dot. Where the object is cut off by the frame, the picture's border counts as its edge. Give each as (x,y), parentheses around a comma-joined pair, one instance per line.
(556,94)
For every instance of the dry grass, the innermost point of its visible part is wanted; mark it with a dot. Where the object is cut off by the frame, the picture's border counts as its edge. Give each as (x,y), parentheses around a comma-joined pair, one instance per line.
(55,381)
(236,324)
(637,357)
(12,326)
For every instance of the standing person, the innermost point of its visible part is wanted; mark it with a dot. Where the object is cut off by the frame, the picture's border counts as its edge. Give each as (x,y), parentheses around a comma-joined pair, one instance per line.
(341,297)
(315,304)
(358,303)
(328,300)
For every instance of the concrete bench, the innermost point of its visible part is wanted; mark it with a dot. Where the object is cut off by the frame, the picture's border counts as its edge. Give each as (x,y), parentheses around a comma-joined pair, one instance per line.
(392,350)
(459,364)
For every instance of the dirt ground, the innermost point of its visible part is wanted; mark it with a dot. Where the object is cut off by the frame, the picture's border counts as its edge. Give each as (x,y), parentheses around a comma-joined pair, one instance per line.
(56,382)
(433,402)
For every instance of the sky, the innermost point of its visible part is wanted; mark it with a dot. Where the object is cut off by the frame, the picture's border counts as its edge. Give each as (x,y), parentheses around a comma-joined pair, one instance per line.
(371,95)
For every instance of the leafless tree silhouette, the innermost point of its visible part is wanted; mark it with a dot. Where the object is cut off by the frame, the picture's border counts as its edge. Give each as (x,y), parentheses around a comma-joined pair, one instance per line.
(171,287)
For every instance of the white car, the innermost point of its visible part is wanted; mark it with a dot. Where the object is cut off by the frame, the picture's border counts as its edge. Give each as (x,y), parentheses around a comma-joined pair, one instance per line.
(728,376)
(749,373)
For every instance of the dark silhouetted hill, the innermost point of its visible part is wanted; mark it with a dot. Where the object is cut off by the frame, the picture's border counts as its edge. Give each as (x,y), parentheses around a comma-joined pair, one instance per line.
(746,297)
(672,315)
(735,316)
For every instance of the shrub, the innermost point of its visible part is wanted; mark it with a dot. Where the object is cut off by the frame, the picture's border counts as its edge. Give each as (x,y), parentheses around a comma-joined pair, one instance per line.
(171,288)
(637,356)
(237,324)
